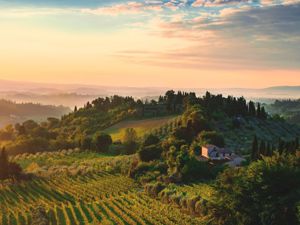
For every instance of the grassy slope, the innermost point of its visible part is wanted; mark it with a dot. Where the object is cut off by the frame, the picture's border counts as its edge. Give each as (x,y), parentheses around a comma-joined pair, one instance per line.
(271,131)
(141,126)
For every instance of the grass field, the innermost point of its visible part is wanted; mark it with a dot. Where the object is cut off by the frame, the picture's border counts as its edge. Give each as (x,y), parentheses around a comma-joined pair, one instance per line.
(141,126)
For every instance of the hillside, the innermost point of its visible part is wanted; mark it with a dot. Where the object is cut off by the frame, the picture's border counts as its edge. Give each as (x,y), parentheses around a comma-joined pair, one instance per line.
(156,173)
(115,114)
(240,139)
(287,109)
(12,112)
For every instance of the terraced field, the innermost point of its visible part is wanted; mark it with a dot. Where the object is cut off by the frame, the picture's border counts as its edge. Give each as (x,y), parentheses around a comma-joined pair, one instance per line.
(91,199)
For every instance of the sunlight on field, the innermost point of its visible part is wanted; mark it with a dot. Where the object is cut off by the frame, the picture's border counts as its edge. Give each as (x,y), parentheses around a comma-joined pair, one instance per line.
(141,126)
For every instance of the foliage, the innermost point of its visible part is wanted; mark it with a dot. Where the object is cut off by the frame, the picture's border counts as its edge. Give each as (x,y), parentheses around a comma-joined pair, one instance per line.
(102,142)
(149,153)
(266,192)
(211,137)
(151,140)
(8,169)
(129,135)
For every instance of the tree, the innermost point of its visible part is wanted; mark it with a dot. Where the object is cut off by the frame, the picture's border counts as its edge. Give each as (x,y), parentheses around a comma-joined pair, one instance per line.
(262,149)
(251,109)
(263,113)
(14,171)
(182,133)
(211,137)
(102,142)
(265,192)
(8,169)
(258,111)
(149,153)
(86,142)
(129,135)
(3,164)
(151,140)
(254,150)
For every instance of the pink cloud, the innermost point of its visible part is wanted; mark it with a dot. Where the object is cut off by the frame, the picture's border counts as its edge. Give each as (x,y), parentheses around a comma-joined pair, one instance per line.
(126,8)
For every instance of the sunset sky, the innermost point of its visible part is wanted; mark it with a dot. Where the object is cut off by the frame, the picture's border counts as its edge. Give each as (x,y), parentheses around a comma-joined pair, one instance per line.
(180,43)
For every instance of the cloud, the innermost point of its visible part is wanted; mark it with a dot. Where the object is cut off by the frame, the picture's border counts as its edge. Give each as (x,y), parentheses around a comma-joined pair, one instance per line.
(125,8)
(218,3)
(238,38)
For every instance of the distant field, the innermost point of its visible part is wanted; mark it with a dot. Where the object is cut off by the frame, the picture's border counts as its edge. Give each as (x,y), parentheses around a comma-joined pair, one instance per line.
(141,126)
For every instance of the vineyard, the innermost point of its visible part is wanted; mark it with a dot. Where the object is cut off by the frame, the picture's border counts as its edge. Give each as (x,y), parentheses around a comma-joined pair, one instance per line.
(100,198)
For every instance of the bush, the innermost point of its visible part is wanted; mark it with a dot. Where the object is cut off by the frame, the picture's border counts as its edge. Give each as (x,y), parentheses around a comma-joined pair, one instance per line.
(102,142)
(151,140)
(149,153)
(154,189)
(130,148)
(196,170)
(8,169)
(86,143)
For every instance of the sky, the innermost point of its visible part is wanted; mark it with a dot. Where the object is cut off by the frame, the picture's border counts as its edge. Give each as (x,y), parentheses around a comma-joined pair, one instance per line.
(179,43)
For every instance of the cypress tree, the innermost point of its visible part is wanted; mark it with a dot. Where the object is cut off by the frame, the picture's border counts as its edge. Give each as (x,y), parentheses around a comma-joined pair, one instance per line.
(258,111)
(262,149)
(269,149)
(3,164)
(281,146)
(254,152)
(297,143)
(251,109)
(263,114)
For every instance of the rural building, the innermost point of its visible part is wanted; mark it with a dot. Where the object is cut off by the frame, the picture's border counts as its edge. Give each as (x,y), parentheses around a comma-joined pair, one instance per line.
(220,155)
(215,153)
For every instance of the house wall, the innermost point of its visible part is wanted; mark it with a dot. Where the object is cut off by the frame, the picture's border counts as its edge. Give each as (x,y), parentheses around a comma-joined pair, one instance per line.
(205,152)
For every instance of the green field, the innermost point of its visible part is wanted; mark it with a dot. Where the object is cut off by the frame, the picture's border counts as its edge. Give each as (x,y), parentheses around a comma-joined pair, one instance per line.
(141,126)
(94,197)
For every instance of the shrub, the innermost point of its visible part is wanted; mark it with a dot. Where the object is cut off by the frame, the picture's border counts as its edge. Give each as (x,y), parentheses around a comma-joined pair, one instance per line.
(149,153)
(151,140)
(102,142)
(154,189)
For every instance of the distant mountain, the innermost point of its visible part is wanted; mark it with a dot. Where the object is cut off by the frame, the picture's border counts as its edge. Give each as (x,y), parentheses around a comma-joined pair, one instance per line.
(283,88)
(12,112)
(78,94)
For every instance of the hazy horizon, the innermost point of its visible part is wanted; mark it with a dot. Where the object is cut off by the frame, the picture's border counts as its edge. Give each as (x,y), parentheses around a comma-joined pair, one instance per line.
(74,83)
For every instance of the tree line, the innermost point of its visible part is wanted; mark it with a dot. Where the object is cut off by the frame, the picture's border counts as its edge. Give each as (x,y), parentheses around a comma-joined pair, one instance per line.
(262,148)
